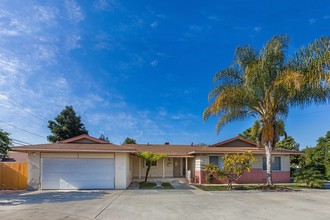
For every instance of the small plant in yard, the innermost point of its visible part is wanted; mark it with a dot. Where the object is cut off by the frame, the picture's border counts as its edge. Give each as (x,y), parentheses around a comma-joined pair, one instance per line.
(234,167)
(211,171)
(150,158)
(312,177)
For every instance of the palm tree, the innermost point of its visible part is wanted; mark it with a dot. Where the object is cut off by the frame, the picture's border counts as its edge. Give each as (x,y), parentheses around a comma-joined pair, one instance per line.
(254,133)
(266,84)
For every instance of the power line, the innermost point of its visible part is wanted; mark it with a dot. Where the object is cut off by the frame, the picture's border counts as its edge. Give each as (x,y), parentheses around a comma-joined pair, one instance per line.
(22,129)
(9,110)
(23,142)
(4,97)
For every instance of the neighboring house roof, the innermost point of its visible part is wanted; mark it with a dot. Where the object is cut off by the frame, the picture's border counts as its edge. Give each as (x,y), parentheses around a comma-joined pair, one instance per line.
(16,157)
(19,157)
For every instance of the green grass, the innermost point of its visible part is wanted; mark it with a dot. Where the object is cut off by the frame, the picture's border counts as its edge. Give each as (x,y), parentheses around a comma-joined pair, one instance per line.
(167,185)
(280,187)
(147,185)
(152,185)
(224,188)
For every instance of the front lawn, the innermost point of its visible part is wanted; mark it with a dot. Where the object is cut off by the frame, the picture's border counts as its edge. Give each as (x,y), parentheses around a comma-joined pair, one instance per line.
(224,188)
(153,185)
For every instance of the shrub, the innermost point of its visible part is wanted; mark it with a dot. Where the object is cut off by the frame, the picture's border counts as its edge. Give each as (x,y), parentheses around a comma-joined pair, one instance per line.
(311,176)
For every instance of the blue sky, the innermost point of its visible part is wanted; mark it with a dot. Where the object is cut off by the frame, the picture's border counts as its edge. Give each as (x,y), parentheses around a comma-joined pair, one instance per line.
(141,69)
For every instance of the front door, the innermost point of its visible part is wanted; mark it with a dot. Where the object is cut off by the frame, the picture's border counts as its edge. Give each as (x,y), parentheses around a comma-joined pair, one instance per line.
(176,167)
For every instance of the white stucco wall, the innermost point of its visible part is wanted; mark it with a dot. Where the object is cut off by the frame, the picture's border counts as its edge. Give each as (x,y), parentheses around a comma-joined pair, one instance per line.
(201,161)
(34,171)
(128,170)
(121,170)
(285,163)
(155,171)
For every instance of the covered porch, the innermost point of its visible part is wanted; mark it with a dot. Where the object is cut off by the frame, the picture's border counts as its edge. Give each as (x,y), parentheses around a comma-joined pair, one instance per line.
(169,167)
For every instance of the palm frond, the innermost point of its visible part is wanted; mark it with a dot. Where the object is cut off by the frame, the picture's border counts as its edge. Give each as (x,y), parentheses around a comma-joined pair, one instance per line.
(245,55)
(230,116)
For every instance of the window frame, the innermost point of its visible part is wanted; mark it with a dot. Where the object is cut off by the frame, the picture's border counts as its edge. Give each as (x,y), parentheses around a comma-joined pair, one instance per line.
(153,164)
(277,165)
(219,159)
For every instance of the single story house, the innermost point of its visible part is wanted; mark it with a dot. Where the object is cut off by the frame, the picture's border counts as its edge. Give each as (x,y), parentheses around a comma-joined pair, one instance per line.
(85,162)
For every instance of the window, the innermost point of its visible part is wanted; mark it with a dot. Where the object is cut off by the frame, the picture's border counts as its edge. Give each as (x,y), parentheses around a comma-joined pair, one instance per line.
(153,164)
(276,163)
(216,160)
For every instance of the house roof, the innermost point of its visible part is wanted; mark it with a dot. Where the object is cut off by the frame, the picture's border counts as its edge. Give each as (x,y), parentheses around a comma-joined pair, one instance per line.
(170,150)
(74,147)
(254,150)
(81,143)
(233,140)
(84,137)
(85,143)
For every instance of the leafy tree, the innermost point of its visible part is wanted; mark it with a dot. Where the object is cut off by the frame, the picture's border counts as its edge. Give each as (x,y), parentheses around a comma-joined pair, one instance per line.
(289,143)
(254,133)
(150,158)
(104,138)
(266,84)
(5,143)
(247,134)
(311,176)
(129,141)
(234,167)
(66,125)
(318,157)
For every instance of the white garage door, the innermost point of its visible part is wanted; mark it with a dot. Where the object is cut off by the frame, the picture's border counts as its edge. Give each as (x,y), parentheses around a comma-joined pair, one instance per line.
(77,173)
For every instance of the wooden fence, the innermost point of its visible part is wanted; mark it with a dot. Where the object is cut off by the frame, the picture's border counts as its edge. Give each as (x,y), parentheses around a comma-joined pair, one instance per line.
(13,176)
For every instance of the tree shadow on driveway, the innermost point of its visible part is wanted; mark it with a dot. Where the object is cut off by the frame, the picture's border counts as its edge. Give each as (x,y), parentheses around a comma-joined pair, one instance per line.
(50,197)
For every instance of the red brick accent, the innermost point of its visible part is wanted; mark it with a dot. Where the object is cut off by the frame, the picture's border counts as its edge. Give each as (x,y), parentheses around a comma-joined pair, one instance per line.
(255,176)
(197,178)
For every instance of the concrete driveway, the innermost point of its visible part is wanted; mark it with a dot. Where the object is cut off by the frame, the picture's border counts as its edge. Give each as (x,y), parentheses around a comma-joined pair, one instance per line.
(166,204)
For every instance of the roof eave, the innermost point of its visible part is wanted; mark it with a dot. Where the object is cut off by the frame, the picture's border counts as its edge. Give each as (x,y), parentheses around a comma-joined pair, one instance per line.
(73,151)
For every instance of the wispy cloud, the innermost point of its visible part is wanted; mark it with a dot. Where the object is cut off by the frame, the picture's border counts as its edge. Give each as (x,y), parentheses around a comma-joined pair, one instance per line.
(312,21)
(154,24)
(195,28)
(105,42)
(154,63)
(257,29)
(74,11)
(325,17)
(45,14)
(105,5)
(214,18)
(27,73)
(72,42)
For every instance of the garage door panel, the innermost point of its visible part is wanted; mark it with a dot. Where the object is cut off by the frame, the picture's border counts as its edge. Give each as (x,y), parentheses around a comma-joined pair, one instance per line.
(77,173)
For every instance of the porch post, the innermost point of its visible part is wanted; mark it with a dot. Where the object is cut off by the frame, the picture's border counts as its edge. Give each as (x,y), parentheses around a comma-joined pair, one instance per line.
(186,165)
(139,168)
(163,168)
